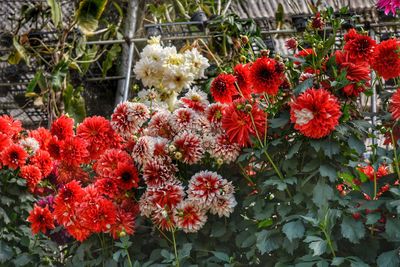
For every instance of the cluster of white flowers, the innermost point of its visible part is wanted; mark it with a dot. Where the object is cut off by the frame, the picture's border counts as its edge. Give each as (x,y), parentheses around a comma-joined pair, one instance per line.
(167,70)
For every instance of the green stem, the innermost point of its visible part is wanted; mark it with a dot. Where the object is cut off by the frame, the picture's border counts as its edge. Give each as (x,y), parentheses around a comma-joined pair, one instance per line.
(175,250)
(270,160)
(129,258)
(396,161)
(329,241)
(375,186)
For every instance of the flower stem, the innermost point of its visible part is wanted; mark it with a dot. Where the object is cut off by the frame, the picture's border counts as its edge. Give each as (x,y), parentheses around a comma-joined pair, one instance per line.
(329,241)
(396,161)
(129,258)
(271,161)
(175,250)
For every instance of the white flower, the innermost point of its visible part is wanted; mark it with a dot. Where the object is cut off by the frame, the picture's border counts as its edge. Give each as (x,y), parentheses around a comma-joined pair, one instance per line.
(30,144)
(154,40)
(148,72)
(153,52)
(197,95)
(303,116)
(177,78)
(198,63)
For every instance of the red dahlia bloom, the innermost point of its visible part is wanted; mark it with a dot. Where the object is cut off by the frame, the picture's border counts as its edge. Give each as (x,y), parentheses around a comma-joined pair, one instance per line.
(223,88)
(5,141)
(190,217)
(9,126)
(54,148)
(266,75)
(127,176)
(304,54)
(64,204)
(317,22)
(291,44)
(189,145)
(63,127)
(41,219)
(360,47)
(124,224)
(13,156)
(107,164)
(158,171)
(356,73)
(386,59)
(394,107)
(237,123)
(43,161)
(214,112)
(97,132)
(107,187)
(204,187)
(74,151)
(242,74)
(97,214)
(67,173)
(370,172)
(315,113)
(167,195)
(32,175)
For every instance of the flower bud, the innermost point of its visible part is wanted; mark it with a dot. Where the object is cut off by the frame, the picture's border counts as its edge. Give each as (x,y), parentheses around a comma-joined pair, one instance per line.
(220,161)
(172,148)
(265,53)
(242,59)
(178,155)
(245,39)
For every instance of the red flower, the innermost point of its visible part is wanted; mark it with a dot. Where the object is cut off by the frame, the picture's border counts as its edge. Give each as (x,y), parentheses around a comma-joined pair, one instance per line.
(97,213)
(5,141)
(266,75)
(356,73)
(304,54)
(74,151)
(42,135)
(204,187)
(107,164)
(97,132)
(32,175)
(317,22)
(158,171)
(242,74)
(43,161)
(64,203)
(127,176)
(223,88)
(291,44)
(63,127)
(360,47)
(41,219)
(394,107)
(238,124)
(370,172)
(54,148)
(124,224)
(14,156)
(189,145)
(167,195)
(68,172)
(315,113)
(9,126)
(190,217)
(386,59)
(79,232)
(214,112)
(107,187)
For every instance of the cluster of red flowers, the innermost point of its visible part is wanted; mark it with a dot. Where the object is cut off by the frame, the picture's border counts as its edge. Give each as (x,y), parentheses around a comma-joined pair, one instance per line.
(54,163)
(264,75)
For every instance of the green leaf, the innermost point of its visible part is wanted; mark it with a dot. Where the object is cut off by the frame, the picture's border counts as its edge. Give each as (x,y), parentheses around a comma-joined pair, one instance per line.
(356,144)
(184,252)
(74,103)
(338,261)
(372,218)
(88,14)
(267,242)
(293,230)
(280,121)
(352,230)
(22,259)
(322,193)
(318,246)
(389,259)
(112,55)
(221,256)
(327,170)
(55,12)
(218,229)
(392,229)
(6,252)
(20,52)
(303,86)
(265,223)
(294,149)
